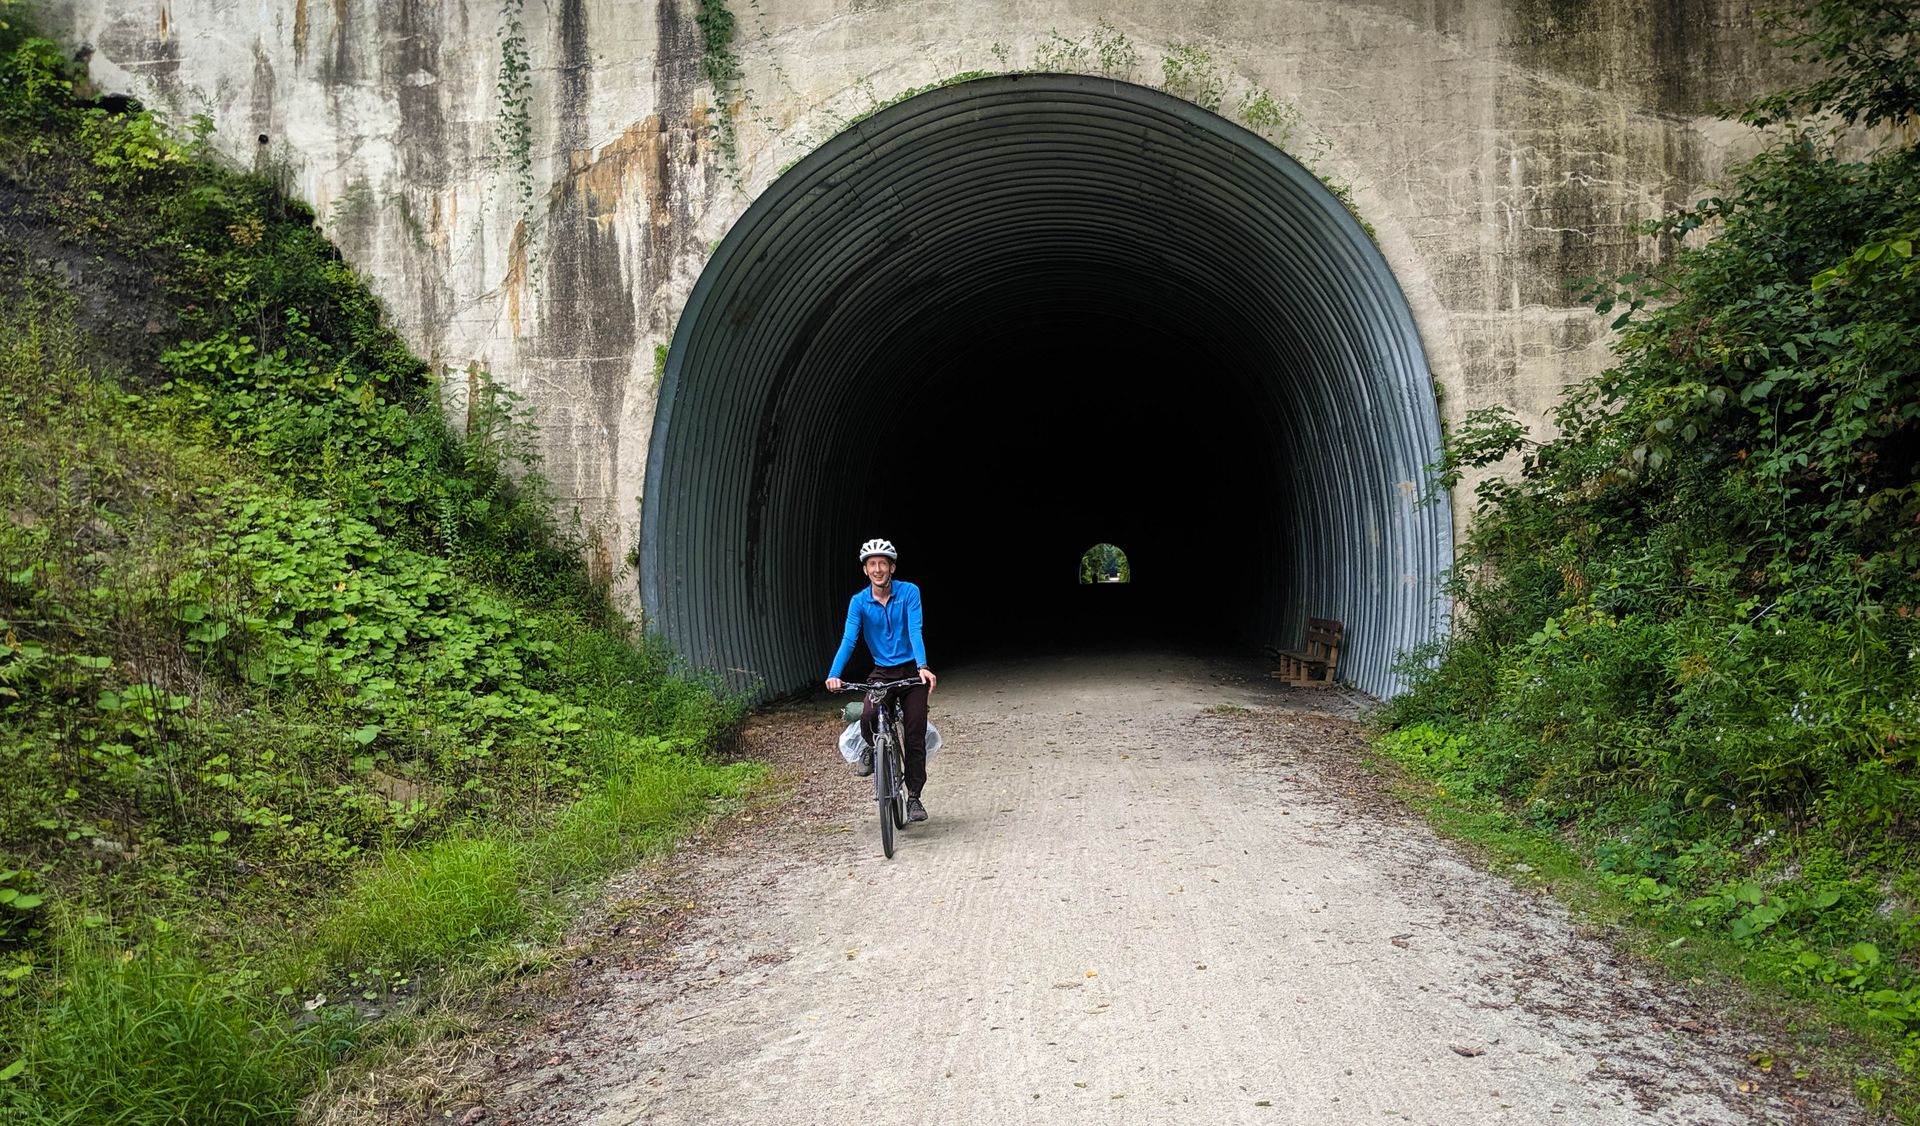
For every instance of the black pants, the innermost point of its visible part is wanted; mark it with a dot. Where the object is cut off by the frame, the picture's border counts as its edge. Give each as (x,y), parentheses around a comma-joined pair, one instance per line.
(913,709)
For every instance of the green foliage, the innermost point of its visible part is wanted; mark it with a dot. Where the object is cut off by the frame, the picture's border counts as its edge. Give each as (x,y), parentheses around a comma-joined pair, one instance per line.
(150,1035)
(721,68)
(418,908)
(647,790)
(1114,51)
(1268,116)
(1188,71)
(1866,50)
(717,26)
(513,86)
(1688,629)
(1104,562)
(1803,933)
(39,73)
(914,92)
(265,615)
(1061,54)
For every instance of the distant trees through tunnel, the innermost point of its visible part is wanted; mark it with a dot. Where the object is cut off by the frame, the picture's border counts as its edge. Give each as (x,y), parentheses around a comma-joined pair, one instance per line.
(1002,321)
(1105,563)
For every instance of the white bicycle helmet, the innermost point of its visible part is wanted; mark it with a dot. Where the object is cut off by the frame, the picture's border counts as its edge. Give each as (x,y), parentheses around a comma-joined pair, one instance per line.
(878,547)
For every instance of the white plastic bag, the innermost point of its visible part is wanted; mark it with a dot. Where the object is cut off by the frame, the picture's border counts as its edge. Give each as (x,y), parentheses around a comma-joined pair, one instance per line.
(853,744)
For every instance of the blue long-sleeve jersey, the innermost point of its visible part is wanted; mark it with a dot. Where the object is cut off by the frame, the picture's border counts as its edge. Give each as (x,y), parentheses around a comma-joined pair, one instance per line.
(892,631)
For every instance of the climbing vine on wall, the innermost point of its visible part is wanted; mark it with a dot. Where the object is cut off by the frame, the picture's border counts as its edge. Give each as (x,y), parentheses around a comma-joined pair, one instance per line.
(513,131)
(721,68)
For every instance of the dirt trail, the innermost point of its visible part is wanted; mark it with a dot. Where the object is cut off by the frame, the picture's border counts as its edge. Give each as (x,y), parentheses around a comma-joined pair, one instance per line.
(1134,902)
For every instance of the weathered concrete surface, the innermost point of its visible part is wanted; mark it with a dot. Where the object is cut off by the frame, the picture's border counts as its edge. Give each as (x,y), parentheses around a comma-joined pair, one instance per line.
(1496,146)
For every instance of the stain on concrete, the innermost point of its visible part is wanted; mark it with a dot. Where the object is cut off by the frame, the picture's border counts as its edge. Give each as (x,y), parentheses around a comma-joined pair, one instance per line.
(300,28)
(260,105)
(617,218)
(676,76)
(410,68)
(144,46)
(514,285)
(340,68)
(1671,56)
(573,76)
(587,308)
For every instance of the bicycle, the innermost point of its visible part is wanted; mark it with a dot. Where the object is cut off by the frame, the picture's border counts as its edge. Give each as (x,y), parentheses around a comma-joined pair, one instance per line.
(889,747)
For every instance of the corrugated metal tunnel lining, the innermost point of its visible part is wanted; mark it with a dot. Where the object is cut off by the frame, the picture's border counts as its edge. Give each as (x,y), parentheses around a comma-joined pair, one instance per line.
(1006,320)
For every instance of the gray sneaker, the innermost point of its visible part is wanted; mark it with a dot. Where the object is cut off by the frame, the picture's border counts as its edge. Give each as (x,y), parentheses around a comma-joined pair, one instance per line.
(864,768)
(916,811)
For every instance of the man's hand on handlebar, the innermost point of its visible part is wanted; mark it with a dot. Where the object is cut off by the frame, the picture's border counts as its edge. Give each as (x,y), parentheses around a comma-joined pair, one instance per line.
(927,678)
(834,683)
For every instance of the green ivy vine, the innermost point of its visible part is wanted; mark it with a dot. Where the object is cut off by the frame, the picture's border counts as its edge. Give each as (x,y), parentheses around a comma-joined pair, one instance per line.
(721,68)
(513,131)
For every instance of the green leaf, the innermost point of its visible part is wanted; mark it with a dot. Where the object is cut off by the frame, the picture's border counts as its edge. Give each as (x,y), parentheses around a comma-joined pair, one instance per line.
(219,836)
(29,902)
(1865,953)
(208,633)
(13,1069)
(365,735)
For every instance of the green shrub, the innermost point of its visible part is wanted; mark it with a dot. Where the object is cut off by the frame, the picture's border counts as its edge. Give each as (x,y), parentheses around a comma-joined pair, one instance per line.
(264,615)
(1688,636)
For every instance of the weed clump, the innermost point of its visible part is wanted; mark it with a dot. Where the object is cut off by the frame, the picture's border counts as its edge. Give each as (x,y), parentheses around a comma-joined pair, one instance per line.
(152,1035)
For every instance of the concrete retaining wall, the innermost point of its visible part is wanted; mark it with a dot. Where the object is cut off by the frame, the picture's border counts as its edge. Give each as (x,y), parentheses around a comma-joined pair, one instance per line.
(1496,147)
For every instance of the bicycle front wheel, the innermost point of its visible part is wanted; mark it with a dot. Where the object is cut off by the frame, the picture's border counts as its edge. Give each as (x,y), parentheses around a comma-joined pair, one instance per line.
(900,786)
(884,785)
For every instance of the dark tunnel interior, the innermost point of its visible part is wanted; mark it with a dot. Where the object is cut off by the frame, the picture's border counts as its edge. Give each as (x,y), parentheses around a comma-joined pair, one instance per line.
(1006,320)
(1059,436)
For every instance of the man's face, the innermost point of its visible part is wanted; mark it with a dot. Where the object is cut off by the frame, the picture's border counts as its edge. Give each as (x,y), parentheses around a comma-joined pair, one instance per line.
(879,569)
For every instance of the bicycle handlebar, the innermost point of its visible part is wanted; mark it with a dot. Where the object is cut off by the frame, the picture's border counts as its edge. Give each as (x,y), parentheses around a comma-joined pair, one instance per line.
(880,686)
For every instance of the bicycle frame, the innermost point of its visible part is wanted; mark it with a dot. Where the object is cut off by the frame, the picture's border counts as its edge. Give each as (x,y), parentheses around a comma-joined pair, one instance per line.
(889,762)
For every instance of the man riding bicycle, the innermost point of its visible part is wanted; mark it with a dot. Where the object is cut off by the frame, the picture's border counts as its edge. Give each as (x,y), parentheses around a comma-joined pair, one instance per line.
(887,616)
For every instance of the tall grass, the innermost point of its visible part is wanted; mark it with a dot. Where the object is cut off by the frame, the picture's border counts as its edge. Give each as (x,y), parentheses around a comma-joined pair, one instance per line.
(151,1036)
(646,796)
(421,907)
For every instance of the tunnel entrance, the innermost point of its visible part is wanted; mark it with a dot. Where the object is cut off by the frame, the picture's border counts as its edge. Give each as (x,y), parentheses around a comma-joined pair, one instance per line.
(1004,319)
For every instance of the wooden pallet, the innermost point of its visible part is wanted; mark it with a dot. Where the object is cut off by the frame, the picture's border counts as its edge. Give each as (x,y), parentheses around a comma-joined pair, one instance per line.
(1316,663)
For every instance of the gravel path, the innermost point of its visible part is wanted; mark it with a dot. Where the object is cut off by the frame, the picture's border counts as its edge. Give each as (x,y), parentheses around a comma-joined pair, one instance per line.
(1152,890)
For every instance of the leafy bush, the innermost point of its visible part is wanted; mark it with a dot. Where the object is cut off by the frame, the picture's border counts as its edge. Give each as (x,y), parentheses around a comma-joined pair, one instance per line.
(1688,630)
(292,670)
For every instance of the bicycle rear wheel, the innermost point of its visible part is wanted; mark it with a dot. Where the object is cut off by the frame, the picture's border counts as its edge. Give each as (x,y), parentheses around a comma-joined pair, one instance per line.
(884,785)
